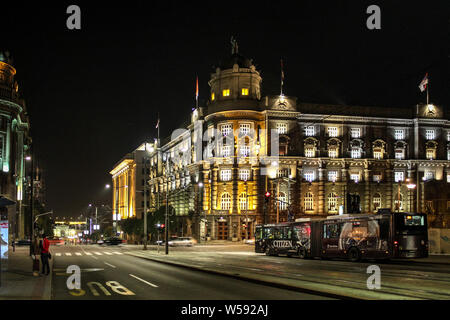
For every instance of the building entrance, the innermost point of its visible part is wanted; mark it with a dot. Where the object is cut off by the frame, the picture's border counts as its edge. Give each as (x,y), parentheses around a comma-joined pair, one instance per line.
(248,230)
(222,231)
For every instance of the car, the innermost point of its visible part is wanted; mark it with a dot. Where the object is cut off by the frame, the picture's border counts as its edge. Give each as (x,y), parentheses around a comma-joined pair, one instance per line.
(26,242)
(113,241)
(249,241)
(100,241)
(182,241)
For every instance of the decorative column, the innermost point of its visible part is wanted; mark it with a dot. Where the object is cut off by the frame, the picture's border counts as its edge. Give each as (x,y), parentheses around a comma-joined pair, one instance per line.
(344,179)
(367,197)
(389,186)
(321,204)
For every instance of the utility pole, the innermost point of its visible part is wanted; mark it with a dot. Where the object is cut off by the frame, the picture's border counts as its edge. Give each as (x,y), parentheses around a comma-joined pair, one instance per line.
(145,197)
(31,200)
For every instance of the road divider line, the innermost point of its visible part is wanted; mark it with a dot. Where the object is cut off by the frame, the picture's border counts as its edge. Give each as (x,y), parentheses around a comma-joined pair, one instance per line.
(149,283)
(108,264)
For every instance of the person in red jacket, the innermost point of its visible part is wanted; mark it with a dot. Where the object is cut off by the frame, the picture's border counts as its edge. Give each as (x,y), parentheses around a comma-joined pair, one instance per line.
(44,255)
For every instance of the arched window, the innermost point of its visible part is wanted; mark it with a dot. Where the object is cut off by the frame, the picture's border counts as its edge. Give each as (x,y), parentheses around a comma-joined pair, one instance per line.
(376,201)
(225,201)
(332,202)
(243,201)
(282,201)
(309,201)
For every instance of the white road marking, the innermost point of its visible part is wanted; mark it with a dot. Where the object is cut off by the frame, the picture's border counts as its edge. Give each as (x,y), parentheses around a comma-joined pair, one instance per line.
(108,253)
(110,265)
(78,254)
(58,254)
(94,257)
(116,252)
(98,253)
(149,283)
(88,253)
(68,254)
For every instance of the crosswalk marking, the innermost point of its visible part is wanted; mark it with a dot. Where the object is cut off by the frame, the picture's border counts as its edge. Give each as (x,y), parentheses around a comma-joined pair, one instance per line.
(108,253)
(98,253)
(68,254)
(78,254)
(58,254)
(88,253)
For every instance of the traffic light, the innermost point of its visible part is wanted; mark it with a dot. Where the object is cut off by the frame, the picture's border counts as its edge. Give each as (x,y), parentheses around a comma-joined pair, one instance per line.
(267,196)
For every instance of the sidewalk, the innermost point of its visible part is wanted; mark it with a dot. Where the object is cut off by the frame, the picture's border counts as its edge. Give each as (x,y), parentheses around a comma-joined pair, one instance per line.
(18,282)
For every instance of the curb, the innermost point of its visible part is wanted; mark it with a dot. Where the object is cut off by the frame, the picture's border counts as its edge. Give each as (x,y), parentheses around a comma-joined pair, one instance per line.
(257,281)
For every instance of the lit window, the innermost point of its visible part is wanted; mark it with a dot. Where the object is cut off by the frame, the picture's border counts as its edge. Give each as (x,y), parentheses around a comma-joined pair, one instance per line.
(309,176)
(448,135)
(225,201)
(355,132)
(309,201)
(282,201)
(244,129)
(378,154)
(356,153)
(243,201)
(448,177)
(430,134)
(226,151)
(399,134)
(377,177)
(244,91)
(310,152)
(332,202)
(282,128)
(225,175)
(399,154)
(332,176)
(355,177)
(431,153)
(310,131)
(244,174)
(429,175)
(244,150)
(226,92)
(376,201)
(399,176)
(212,96)
(448,154)
(283,173)
(332,153)
(226,129)
(332,131)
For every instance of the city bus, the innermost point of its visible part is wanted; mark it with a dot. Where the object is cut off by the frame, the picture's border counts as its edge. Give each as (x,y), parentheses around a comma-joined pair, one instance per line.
(384,235)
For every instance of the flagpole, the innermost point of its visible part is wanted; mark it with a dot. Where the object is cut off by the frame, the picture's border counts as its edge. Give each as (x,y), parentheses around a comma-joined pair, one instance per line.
(428,85)
(158,129)
(282,76)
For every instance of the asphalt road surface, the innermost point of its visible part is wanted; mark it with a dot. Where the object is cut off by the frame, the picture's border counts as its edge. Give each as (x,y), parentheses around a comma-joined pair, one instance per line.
(109,273)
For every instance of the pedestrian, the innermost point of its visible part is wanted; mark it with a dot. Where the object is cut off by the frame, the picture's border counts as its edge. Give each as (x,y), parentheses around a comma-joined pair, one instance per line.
(35,252)
(45,254)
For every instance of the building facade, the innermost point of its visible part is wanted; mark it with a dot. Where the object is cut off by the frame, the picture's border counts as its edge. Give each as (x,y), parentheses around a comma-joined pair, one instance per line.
(128,181)
(313,159)
(15,143)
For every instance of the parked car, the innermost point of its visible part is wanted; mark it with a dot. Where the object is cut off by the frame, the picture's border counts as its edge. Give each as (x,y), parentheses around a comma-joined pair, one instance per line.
(100,241)
(249,241)
(182,241)
(113,241)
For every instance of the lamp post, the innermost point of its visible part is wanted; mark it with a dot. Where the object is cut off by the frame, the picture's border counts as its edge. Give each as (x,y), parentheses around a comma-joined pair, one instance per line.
(200,186)
(410,185)
(167,206)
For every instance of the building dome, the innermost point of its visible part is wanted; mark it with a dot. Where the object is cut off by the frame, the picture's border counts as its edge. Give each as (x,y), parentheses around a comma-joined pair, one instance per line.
(5,57)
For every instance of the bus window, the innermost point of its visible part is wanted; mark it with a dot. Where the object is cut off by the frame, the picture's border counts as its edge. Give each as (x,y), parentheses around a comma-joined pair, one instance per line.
(278,233)
(414,221)
(268,233)
(258,233)
(288,233)
(411,224)
(384,228)
(331,231)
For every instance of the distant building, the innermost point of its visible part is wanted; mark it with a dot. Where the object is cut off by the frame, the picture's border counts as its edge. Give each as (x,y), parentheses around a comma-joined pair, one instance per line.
(128,179)
(314,159)
(15,143)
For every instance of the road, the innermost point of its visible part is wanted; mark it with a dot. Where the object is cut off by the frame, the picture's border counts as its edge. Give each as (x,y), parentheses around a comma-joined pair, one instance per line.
(110,273)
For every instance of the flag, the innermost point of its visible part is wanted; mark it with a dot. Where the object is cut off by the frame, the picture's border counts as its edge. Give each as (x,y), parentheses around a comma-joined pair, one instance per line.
(157,124)
(196,90)
(423,84)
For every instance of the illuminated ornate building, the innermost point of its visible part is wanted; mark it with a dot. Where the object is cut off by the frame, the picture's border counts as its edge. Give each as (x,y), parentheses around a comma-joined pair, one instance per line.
(128,177)
(14,145)
(314,159)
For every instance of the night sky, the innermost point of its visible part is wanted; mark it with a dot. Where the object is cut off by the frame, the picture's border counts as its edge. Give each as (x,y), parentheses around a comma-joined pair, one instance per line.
(93,94)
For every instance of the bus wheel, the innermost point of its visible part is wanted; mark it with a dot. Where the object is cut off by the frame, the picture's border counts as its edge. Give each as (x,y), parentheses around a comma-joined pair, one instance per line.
(302,253)
(353,254)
